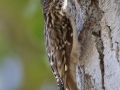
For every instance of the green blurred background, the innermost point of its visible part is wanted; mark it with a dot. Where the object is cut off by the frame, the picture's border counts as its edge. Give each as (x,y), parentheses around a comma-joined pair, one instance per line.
(23,61)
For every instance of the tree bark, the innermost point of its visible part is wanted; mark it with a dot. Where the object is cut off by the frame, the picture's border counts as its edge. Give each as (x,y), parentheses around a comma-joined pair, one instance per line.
(98,25)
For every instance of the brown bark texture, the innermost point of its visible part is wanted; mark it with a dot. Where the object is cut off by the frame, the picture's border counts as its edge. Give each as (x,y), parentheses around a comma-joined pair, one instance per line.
(98,26)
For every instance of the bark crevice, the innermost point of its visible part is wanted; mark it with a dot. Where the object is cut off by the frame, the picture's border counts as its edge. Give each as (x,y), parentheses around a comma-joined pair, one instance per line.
(93,21)
(117,52)
(98,24)
(100,48)
(95,17)
(110,37)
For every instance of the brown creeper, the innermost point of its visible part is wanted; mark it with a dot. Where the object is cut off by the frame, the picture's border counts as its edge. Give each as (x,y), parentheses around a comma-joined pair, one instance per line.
(61,43)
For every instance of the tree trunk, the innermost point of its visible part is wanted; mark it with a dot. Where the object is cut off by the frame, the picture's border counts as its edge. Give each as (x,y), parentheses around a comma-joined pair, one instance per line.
(98,25)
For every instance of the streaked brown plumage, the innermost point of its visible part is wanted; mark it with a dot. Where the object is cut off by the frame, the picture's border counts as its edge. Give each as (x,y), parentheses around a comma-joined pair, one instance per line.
(59,42)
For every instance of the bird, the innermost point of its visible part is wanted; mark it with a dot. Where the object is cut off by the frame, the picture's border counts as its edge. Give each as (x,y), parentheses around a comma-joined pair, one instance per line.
(61,43)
